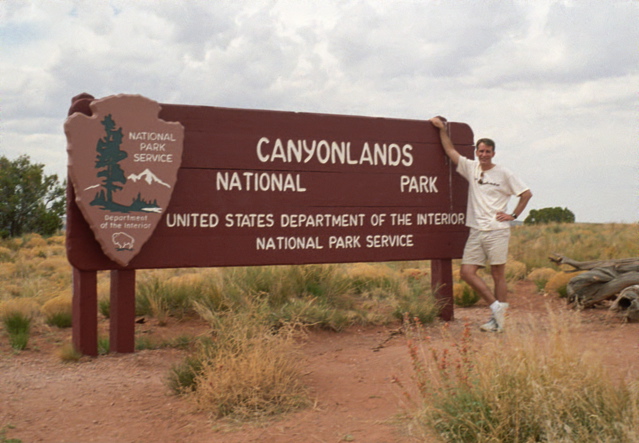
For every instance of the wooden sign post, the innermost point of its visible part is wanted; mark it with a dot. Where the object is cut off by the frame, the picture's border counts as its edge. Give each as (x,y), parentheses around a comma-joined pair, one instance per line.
(266,188)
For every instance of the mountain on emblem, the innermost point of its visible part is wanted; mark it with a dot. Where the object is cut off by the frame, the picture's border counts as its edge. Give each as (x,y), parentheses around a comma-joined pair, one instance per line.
(107,151)
(148,177)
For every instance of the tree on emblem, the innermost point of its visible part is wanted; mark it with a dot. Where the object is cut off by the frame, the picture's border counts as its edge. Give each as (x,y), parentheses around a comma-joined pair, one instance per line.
(107,162)
(108,159)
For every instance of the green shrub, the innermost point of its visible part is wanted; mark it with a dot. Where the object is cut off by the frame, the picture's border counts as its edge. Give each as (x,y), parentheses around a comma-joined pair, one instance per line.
(3,436)
(416,306)
(60,319)
(183,376)
(58,312)
(18,327)
(464,296)
(144,342)
(104,307)
(103,345)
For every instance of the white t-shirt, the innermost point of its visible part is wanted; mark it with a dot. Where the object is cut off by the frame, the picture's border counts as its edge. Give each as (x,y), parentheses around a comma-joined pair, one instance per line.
(490,196)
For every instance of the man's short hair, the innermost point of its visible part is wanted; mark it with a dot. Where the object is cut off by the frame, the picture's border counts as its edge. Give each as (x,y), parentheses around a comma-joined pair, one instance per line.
(487,142)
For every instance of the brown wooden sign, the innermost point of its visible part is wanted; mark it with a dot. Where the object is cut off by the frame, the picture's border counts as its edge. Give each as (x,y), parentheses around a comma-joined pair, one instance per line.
(264,187)
(267,187)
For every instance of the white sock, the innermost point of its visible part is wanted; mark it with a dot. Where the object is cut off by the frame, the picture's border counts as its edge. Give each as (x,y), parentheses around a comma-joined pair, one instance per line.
(494,306)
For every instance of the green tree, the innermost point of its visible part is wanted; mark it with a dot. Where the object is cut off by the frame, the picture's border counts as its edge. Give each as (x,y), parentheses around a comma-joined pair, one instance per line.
(30,201)
(550,215)
(109,155)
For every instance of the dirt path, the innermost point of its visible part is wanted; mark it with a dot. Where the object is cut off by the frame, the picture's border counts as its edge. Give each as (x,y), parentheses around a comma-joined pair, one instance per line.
(124,398)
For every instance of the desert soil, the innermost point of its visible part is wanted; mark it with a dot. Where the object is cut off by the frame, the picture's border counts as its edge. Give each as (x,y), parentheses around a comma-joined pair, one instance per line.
(124,398)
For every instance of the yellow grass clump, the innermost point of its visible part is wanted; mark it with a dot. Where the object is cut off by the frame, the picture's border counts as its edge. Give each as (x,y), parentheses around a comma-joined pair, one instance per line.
(8,290)
(373,278)
(7,270)
(58,311)
(27,307)
(415,273)
(540,277)
(55,264)
(558,282)
(60,304)
(55,249)
(262,380)
(34,254)
(160,274)
(187,280)
(370,271)
(251,370)
(15,243)
(57,240)
(68,354)
(35,241)
(541,274)
(5,254)
(515,270)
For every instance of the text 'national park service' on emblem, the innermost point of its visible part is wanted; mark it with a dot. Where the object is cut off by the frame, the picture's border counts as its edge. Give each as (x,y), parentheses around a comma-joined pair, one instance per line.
(123,163)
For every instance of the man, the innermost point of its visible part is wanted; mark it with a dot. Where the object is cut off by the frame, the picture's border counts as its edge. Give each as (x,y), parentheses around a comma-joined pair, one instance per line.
(490,187)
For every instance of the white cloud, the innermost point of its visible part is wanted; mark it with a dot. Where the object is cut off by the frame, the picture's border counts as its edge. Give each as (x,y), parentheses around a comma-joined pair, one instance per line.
(554,82)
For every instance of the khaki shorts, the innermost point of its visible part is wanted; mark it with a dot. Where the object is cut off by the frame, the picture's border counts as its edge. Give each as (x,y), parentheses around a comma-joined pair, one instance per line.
(486,247)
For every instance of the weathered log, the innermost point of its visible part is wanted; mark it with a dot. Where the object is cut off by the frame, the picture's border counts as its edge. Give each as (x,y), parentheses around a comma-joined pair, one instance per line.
(621,265)
(597,285)
(628,303)
(603,279)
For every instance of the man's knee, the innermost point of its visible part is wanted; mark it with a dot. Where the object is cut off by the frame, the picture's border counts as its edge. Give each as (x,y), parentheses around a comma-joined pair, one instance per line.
(467,272)
(498,272)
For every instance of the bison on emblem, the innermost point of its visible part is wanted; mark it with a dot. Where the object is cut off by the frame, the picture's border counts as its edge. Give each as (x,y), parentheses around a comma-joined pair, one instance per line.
(123,241)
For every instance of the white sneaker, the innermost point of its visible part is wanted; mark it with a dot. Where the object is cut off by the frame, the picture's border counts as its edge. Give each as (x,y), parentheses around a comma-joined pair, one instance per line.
(499,315)
(490,326)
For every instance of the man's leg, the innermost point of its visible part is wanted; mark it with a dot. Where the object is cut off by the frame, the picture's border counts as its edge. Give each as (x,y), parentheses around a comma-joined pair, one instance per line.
(501,293)
(499,278)
(468,273)
(475,254)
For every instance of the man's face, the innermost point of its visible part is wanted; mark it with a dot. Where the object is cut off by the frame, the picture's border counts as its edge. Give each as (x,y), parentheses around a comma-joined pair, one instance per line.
(485,154)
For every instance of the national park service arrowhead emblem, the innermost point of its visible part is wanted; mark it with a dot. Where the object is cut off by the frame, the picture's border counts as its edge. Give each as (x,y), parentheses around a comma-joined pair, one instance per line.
(123,163)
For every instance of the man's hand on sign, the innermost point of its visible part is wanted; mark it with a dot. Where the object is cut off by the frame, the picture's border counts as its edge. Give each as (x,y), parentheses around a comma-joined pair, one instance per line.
(438,122)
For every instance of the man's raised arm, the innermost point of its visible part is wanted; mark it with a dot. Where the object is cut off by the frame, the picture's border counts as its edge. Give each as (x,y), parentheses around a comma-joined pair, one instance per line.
(449,148)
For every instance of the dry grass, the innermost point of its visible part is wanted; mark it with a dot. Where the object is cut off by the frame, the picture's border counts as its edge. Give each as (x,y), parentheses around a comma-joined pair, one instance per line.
(68,354)
(331,295)
(533,245)
(515,270)
(27,307)
(464,295)
(540,277)
(16,316)
(57,311)
(34,272)
(556,285)
(5,254)
(249,370)
(520,387)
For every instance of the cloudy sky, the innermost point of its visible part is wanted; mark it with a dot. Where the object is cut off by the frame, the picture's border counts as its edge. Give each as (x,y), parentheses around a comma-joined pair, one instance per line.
(555,83)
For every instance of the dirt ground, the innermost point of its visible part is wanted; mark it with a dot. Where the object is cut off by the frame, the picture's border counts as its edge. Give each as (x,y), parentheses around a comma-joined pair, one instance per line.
(124,398)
